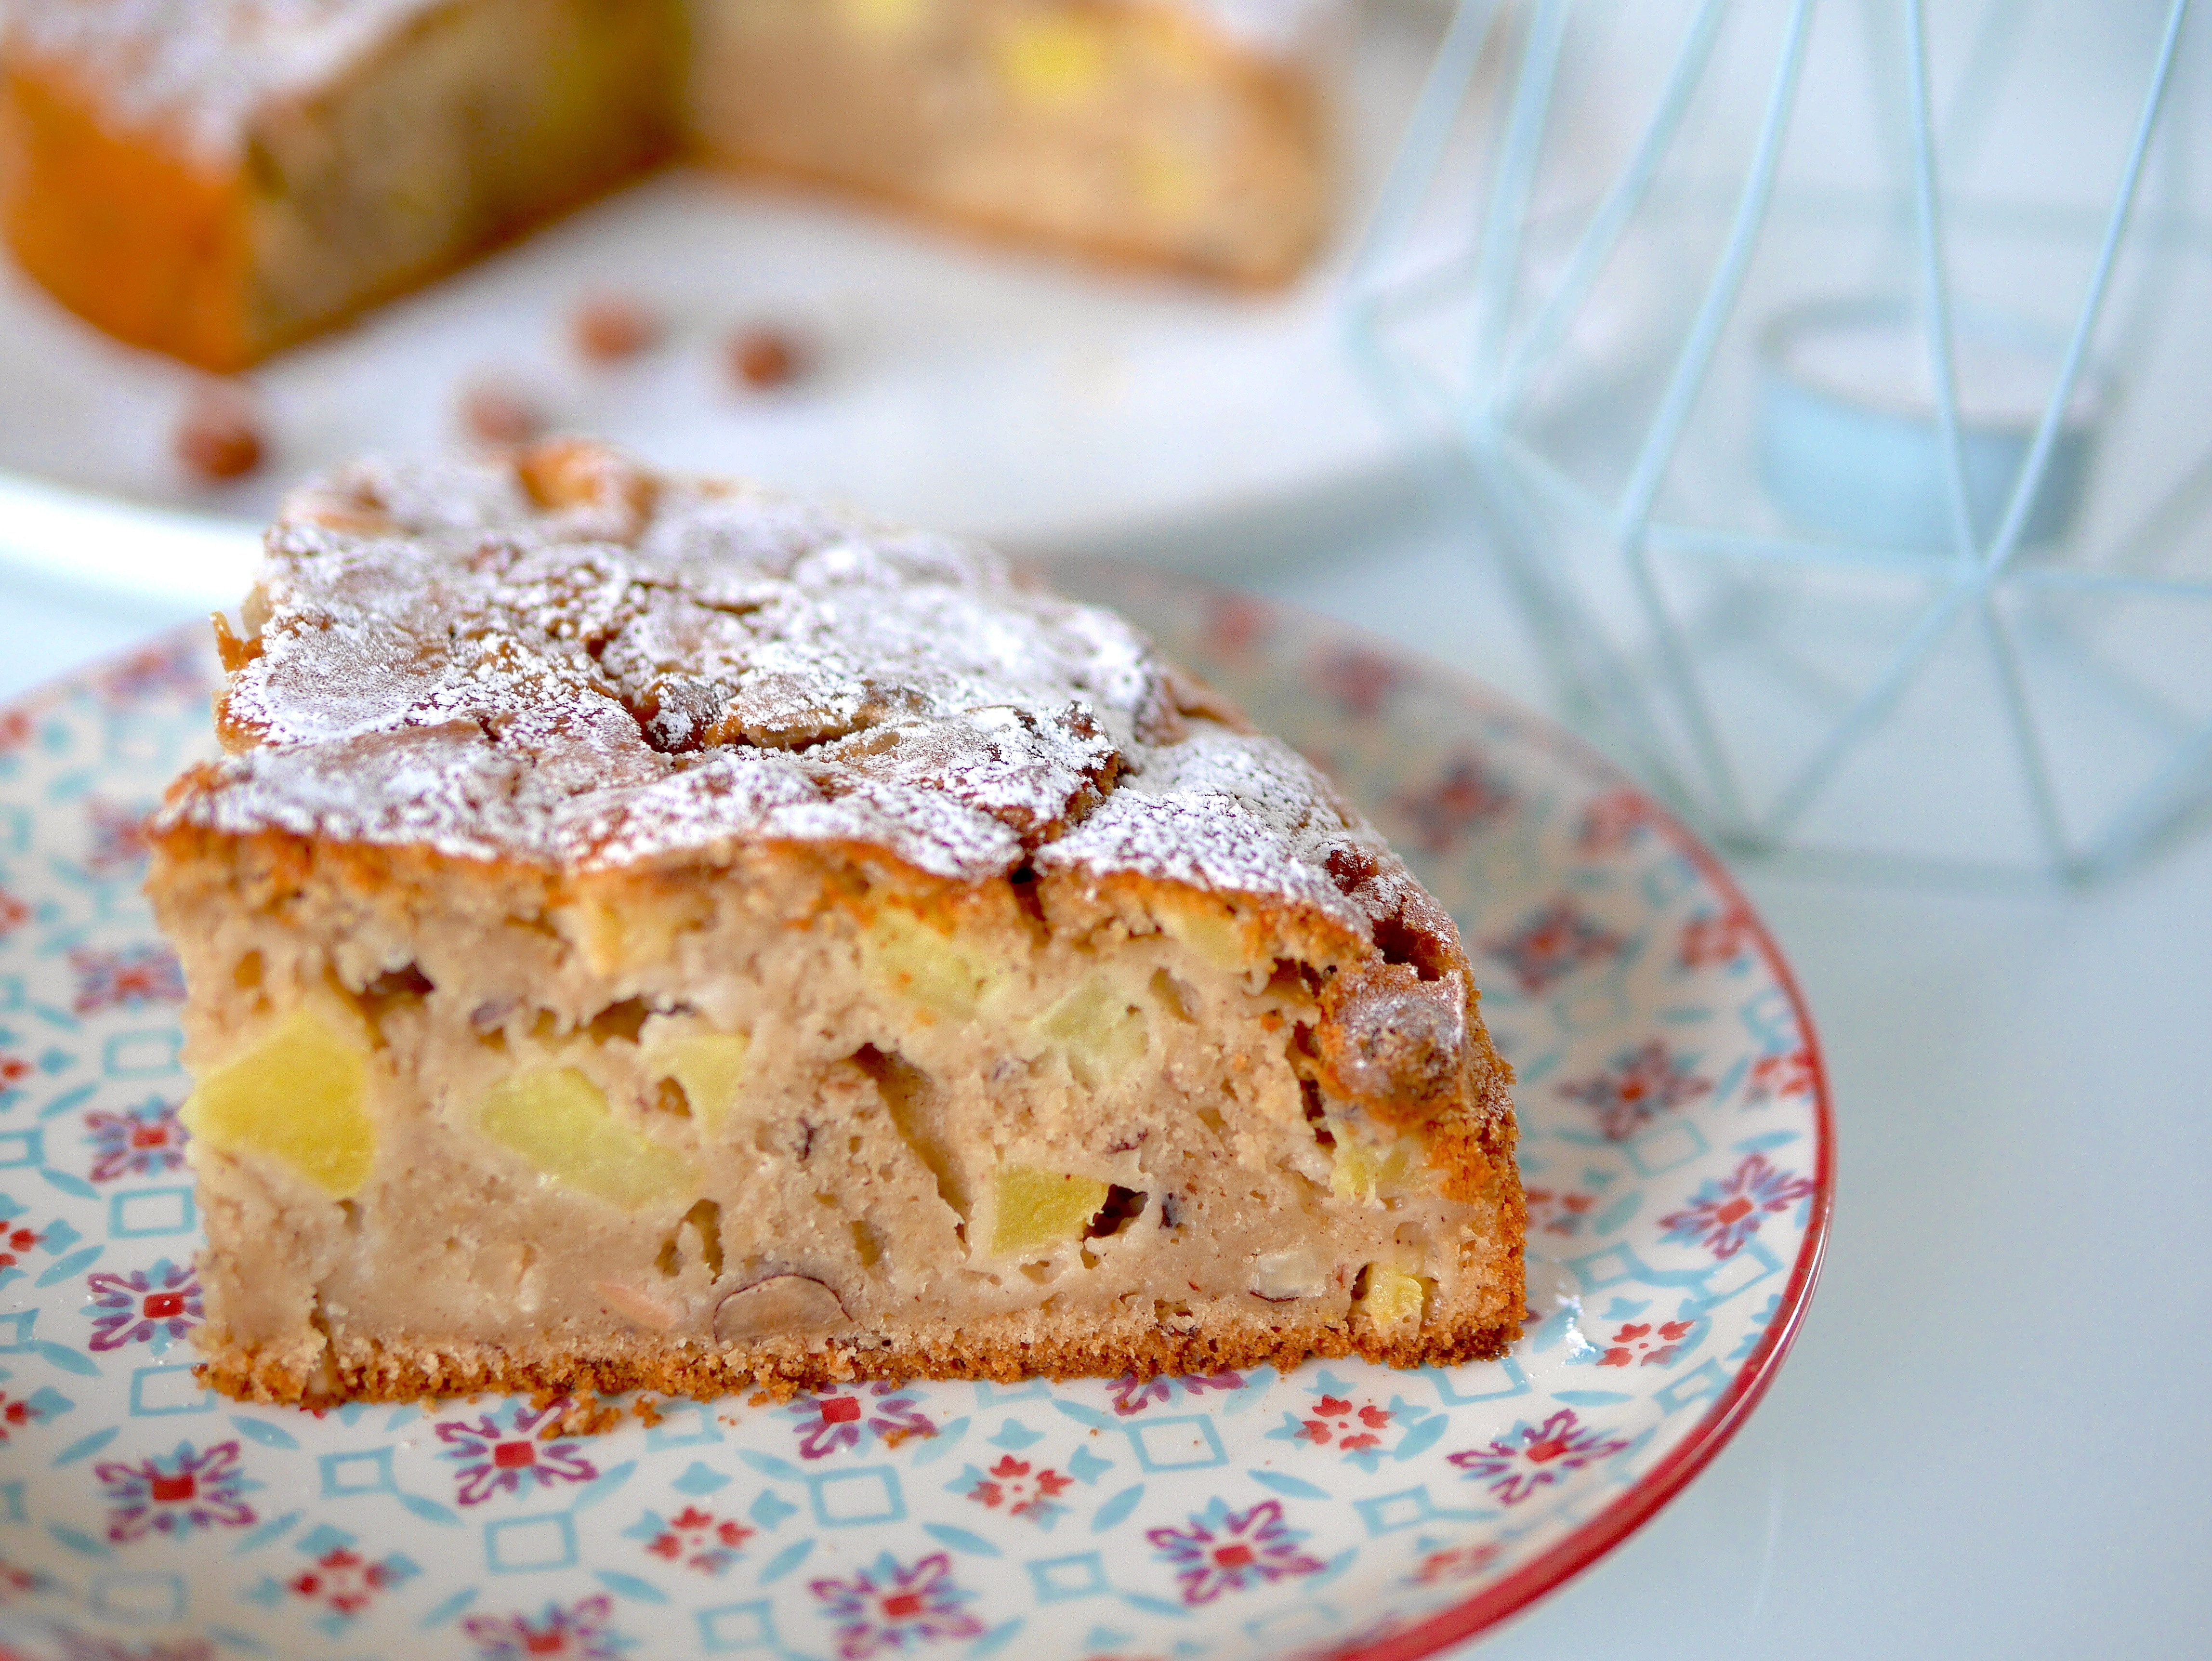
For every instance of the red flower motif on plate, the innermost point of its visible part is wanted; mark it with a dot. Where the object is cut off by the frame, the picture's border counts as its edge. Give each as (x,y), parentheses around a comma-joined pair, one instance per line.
(1717,938)
(1360,681)
(1336,1419)
(1024,1493)
(1641,1344)
(1613,821)
(700,1539)
(342,1581)
(1773,1077)
(1556,1212)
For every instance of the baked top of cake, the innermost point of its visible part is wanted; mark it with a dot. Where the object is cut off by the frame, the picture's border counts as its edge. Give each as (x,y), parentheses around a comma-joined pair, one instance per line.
(561,661)
(202,69)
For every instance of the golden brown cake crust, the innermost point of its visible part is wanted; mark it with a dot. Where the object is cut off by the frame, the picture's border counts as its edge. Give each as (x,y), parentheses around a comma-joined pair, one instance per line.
(395,1373)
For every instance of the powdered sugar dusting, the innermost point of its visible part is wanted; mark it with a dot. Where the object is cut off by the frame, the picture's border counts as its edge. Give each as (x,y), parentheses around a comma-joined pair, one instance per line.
(459,656)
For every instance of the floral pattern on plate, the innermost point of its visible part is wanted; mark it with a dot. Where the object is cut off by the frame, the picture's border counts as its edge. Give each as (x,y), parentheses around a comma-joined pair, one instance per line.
(1673,1137)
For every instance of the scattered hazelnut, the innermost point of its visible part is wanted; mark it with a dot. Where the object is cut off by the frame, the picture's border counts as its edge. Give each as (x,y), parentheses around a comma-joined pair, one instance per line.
(765,357)
(499,414)
(609,328)
(219,436)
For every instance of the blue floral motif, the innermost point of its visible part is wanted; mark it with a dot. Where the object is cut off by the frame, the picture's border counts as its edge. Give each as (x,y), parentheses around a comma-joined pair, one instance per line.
(144,1141)
(1529,1457)
(152,1306)
(834,1419)
(574,1632)
(192,1488)
(512,1450)
(1726,1211)
(1224,1550)
(890,1606)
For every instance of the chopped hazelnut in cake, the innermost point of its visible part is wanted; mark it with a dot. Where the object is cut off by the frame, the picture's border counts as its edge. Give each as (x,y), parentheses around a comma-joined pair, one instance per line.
(653,933)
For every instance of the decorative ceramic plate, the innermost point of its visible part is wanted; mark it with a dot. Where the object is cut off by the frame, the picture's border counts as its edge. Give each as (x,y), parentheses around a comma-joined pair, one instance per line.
(1673,1136)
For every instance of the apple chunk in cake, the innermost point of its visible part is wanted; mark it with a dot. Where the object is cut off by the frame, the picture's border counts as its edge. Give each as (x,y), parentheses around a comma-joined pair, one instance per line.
(649,932)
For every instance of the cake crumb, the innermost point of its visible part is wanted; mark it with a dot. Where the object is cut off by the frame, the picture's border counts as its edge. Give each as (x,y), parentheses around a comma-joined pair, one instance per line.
(647,1411)
(580,1416)
(493,414)
(763,358)
(609,328)
(219,436)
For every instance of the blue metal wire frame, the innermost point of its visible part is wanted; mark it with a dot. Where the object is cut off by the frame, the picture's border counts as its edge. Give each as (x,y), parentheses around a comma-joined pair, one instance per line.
(1936,291)
(1412,172)
(1680,395)
(2006,542)
(2035,766)
(1505,214)
(1521,487)
(2171,794)
(1619,205)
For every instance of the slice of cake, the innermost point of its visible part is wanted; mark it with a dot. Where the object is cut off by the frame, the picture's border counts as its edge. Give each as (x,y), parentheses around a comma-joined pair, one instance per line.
(1188,133)
(650,933)
(216,178)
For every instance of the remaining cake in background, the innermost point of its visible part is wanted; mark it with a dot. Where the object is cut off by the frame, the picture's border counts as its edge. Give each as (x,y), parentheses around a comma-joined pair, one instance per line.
(217,179)
(655,934)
